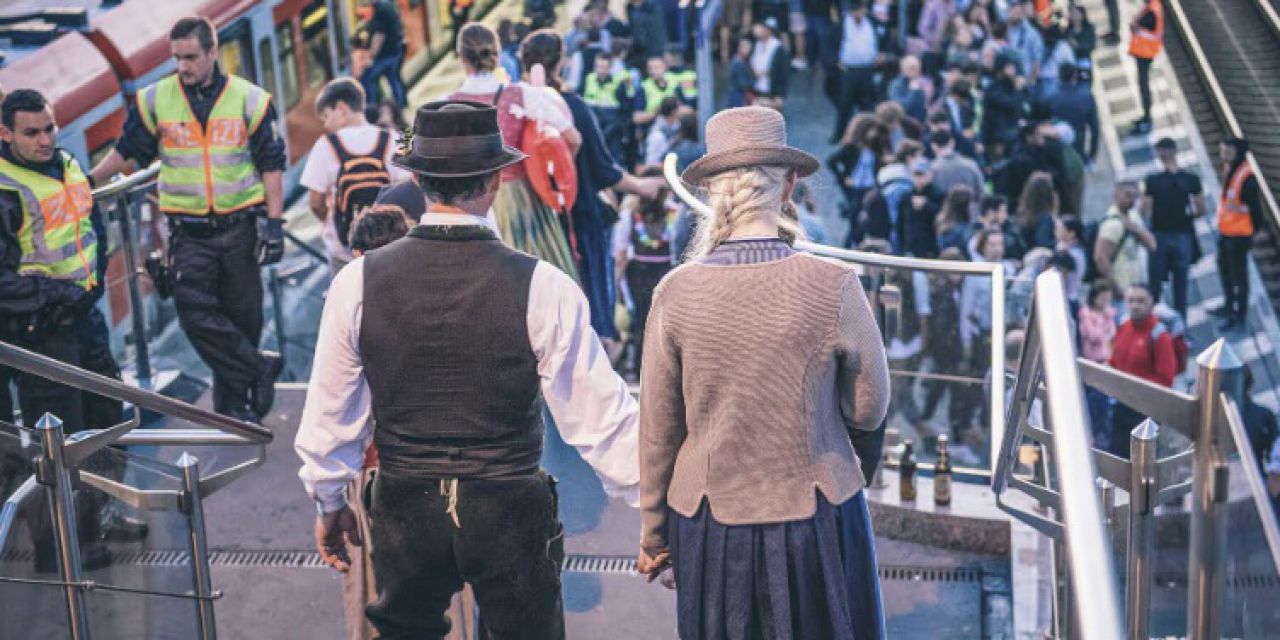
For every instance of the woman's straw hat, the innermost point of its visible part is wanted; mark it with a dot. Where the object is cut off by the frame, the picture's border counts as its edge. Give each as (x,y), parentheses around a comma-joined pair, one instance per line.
(748,137)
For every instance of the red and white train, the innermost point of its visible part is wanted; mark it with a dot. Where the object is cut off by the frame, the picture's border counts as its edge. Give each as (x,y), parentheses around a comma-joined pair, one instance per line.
(102,51)
(89,58)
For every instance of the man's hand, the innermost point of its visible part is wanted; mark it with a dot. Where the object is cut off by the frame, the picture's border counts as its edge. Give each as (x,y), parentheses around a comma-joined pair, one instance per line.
(652,566)
(648,188)
(330,530)
(271,243)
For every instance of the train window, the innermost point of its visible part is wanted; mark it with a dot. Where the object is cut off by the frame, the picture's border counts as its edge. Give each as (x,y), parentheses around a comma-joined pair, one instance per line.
(268,67)
(315,37)
(288,65)
(236,57)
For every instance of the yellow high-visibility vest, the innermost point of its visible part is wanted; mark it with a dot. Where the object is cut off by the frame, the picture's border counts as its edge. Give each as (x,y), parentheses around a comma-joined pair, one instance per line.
(56,236)
(603,94)
(654,95)
(205,169)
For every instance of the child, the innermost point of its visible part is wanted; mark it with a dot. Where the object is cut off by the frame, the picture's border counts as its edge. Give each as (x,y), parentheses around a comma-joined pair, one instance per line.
(652,228)
(1096,328)
(380,225)
(741,78)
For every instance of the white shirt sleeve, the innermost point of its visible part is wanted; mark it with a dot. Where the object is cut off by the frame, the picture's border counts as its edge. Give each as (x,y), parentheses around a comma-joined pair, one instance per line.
(321,171)
(920,288)
(337,419)
(397,174)
(591,404)
(655,144)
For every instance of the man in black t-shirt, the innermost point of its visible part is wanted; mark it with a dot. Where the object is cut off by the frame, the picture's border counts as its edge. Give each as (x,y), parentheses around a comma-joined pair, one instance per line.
(1173,197)
(387,46)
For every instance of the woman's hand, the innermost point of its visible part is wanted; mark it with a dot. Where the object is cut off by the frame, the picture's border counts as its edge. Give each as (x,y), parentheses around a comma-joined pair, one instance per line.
(652,566)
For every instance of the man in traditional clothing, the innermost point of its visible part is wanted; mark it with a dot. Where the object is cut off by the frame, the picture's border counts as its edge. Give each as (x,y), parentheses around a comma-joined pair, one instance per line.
(440,347)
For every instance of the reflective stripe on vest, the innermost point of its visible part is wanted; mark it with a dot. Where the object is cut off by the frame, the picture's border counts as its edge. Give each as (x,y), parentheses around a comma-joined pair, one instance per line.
(1146,44)
(1234,218)
(56,237)
(603,95)
(205,168)
(654,95)
(687,80)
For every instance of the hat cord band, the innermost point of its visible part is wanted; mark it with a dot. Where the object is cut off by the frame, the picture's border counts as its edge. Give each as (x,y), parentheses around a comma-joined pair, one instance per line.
(454,146)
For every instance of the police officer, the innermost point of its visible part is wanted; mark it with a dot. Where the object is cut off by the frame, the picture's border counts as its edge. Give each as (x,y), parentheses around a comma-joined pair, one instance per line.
(221,165)
(609,96)
(52,263)
(1238,208)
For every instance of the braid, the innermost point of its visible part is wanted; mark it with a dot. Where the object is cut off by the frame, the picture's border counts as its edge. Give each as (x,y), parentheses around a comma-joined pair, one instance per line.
(737,196)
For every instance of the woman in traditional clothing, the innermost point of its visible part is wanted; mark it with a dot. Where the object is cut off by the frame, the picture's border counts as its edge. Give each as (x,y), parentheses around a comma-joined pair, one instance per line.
(522,219)
(762,366)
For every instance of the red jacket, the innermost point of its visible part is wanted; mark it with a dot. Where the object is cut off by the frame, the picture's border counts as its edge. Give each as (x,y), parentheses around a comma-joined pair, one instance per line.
(1133,353)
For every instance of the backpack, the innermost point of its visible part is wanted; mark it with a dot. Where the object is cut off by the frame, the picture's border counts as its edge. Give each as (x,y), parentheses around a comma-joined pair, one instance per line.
(550,166)
(360,177)
(1091,242)
(1172,323)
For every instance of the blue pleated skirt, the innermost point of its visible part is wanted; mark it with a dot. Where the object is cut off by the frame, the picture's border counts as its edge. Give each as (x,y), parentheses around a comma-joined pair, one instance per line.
(802,580)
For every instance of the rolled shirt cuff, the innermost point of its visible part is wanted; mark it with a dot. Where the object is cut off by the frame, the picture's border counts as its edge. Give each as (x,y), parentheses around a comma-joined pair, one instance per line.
(629,494)
(331,502)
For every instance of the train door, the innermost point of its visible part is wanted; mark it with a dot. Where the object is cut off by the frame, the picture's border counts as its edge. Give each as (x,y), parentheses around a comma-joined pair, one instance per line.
(413,14)
(235,52)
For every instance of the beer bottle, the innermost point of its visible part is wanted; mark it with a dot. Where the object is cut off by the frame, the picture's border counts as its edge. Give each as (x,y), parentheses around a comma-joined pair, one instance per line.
(942,474)
(907,473)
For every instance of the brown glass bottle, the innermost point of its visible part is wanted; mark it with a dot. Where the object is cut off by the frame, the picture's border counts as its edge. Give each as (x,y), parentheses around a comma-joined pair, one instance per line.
(942,474)
(907,472)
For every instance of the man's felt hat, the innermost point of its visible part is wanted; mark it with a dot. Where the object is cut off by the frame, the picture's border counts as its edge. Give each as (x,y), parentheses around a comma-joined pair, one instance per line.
(456,139)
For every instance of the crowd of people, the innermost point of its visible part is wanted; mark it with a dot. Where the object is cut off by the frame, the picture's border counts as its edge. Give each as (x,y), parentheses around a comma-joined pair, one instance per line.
(516,247)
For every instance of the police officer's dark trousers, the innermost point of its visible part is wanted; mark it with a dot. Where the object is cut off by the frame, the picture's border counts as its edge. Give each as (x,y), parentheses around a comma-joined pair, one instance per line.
(501,536)
(81,341)
(218,293)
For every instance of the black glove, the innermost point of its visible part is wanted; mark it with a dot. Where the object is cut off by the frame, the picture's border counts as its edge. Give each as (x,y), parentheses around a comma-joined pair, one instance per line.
(64,302)
(271,242)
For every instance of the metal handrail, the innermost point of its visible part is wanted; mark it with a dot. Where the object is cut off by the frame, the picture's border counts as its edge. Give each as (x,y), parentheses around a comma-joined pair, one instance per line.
(48,368)
(1218,98)
(1253,477)
(993,270)
(1087,545)
(129,183)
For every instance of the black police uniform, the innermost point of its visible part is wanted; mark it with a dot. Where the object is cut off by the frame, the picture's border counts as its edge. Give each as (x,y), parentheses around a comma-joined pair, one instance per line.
(44,315)
(218,287)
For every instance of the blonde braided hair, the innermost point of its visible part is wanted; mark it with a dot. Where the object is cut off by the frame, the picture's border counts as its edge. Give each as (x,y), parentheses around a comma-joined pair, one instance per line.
(742,195)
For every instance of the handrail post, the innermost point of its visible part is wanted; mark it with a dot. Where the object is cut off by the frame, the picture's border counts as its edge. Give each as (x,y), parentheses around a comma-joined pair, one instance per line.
(1140,555)
(1220,372)
(137,314)
(277,310)
(57,480)
(193,506)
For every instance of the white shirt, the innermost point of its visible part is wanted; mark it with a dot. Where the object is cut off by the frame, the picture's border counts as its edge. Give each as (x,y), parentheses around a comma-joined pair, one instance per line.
(762,61)
(591,404)
(858,47)
(321,174)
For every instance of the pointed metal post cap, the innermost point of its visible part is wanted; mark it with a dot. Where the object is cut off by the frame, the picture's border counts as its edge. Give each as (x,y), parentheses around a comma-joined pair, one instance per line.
(187,460)
(1219,357)
(48,421)
(1146,430)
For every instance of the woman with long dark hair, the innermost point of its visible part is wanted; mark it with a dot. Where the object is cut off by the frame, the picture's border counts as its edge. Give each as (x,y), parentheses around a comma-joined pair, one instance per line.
(1037,210)
(522,219)
(597,171)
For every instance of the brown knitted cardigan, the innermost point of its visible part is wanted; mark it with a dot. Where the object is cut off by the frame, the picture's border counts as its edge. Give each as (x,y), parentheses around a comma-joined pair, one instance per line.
(754,375)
